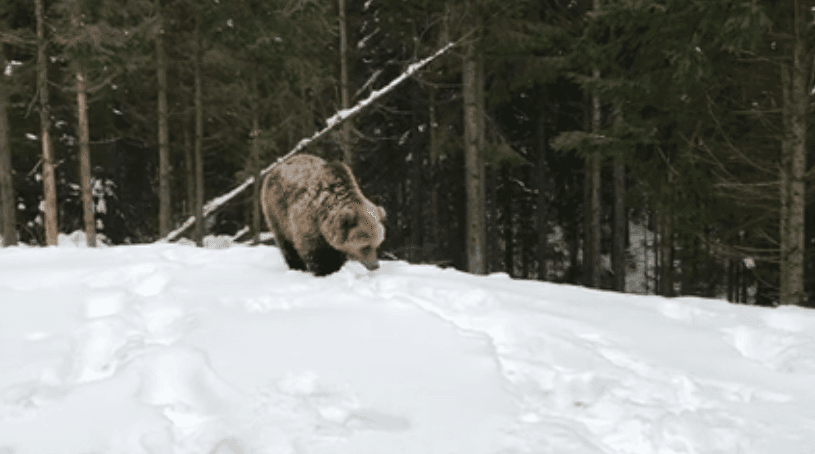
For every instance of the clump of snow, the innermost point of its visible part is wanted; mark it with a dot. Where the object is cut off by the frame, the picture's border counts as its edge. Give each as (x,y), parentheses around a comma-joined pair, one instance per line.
(169,348)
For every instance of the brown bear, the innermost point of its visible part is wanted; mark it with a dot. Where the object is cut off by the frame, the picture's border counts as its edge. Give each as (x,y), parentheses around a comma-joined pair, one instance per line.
(319,216)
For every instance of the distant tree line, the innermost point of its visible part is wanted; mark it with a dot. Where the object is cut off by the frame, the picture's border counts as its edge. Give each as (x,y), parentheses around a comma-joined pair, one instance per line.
(657,146)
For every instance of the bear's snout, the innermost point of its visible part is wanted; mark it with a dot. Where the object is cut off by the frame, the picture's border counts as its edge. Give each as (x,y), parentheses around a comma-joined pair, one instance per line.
(372,264)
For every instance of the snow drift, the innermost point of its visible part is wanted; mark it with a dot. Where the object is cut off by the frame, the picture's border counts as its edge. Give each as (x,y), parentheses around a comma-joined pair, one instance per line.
(171,349)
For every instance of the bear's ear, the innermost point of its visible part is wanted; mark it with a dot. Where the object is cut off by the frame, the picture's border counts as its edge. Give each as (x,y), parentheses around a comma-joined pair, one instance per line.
(348,220)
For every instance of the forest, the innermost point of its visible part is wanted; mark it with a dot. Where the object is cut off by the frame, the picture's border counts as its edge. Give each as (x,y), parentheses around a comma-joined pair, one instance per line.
(650,146)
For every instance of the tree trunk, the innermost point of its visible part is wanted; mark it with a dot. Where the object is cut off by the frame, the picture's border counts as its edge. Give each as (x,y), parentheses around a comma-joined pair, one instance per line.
(620,225)
(256,216)
(593,213)
(591,250)
(793,162)
(345,131)
(620,228)
(255,163)
(199,139)
(164,170)
(509,237)
(493,245)
(666,253)
(85,159)
(655,250)
(541,222)
(474,157)
(48,180)
(7,205)
(189,165)
(434,172)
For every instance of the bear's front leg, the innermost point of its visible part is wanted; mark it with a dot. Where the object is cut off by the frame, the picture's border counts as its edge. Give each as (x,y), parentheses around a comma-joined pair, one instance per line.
(291,256)
(324,261)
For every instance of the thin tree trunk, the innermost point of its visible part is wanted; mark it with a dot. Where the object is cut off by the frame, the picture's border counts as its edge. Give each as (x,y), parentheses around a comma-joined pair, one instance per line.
(345,131)
(189,165)
(415,173)
(85,159)
(509,237)
(492,237)
(666,254)
(48,179)
(256,216)
(655,251)
(164,169)
(731,287)
(593,212)
(620,226)
(199,138)
(255,160)
(434,172)
(8,213)
(541,221)
(474,156)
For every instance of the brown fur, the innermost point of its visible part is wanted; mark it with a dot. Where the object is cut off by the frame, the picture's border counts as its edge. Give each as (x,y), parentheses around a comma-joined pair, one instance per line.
(319,216)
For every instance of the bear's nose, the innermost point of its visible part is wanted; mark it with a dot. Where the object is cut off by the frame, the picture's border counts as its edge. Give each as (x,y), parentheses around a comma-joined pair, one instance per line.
(371,264)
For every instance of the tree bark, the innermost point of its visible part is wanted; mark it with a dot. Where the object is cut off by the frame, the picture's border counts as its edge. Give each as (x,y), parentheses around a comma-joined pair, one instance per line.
(85,159)
(164,168)
(199,139)
(474,156)
(7,205)
(48,179)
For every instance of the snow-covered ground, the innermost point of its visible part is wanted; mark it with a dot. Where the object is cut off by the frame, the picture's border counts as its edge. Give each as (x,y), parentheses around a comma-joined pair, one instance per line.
(171,349)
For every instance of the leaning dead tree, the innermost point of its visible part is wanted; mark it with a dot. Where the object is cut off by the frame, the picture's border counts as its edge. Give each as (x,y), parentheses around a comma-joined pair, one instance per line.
(337,119)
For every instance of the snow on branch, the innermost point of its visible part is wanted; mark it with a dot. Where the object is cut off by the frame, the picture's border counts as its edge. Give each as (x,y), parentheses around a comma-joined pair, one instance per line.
(331,123)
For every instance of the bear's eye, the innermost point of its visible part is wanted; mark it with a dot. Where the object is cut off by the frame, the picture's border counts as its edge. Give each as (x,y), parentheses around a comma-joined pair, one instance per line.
(366,250)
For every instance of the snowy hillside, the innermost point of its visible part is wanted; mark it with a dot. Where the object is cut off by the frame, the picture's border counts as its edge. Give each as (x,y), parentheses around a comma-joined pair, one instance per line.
(172,349)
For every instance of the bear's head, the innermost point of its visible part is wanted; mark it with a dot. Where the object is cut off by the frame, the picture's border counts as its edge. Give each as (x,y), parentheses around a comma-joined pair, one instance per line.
(361,231)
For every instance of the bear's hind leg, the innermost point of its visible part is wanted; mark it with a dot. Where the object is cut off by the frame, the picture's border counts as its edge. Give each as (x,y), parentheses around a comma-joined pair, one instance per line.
(291,256)
(325,260)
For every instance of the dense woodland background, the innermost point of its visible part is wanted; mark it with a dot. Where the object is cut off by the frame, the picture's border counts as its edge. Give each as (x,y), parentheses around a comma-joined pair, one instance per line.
(553,131)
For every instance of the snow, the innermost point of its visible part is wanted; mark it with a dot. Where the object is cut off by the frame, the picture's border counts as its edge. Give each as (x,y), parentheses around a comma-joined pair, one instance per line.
(173,349)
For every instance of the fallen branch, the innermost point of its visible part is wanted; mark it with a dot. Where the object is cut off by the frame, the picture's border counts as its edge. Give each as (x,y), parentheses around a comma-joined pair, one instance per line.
(334,121)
